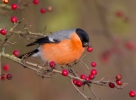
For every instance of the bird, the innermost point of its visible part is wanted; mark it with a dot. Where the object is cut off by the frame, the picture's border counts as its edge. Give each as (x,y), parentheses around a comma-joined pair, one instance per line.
(62,47)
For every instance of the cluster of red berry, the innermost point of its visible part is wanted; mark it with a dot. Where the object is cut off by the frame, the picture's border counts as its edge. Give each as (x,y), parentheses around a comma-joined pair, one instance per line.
(6,68)
(42,10)
(118,81)
(89,77)
(128,46)
(13,19)
(120,14)
(6,76)
(132,93)
(36,2)
(92,75)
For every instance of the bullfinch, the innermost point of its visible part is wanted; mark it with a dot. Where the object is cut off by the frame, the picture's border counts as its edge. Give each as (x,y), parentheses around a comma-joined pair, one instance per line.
(62,47)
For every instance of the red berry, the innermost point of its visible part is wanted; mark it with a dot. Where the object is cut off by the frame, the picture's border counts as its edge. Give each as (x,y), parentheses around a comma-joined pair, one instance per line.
(118,82)
(3,31)
(132,93)
(119,14)
(6,1)
(6,67)
(118,77)
(43,10)
(87,78)
(75,81)
(129,45)
(111,85)
(52,64)
(35,2)
(79,83)
(14,6)
(3,77)
(16,53)
(91,76)
(89,49)
(14,19)
(9,76)
(65,72)
(82,76)
(93,64)
(94,72)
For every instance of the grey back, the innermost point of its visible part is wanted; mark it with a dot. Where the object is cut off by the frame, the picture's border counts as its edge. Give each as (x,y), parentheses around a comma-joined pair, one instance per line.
(61,35)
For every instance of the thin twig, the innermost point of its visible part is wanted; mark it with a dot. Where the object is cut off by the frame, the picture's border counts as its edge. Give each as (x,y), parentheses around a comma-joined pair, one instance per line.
(5,14)
(89,86)
(80,91)
(83,56)
(6,39)
(74,73)
(85,64)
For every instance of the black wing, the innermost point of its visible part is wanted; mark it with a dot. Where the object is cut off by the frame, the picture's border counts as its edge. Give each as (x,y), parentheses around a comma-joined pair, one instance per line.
(28,54)
(42,41)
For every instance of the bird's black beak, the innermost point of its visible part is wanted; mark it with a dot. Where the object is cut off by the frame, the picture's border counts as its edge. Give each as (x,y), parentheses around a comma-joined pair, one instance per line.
(86,44)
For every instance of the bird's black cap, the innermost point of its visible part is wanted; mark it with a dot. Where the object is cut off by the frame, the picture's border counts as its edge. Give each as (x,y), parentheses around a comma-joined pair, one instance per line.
(83,37)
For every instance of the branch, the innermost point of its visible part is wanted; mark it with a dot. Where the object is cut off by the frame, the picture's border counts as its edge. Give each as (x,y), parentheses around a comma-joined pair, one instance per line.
(37,67)
(8,36)
(26,33)
(21,6)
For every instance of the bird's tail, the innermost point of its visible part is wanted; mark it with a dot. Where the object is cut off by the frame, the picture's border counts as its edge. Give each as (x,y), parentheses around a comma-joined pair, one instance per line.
(28,54)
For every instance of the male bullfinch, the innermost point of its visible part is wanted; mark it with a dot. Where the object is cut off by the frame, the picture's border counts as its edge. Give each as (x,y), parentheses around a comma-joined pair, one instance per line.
(62,47)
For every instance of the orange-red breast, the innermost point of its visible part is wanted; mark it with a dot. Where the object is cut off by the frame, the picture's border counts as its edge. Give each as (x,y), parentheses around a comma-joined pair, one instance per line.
(62,47)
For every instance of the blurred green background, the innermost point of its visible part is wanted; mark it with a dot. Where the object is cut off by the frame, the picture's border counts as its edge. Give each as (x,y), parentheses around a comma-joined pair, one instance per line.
(102,20)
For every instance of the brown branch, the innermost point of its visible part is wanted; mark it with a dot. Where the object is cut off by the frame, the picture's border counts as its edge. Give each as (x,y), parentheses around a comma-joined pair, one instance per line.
(21,6)
(26,33)
(37,67)
(43,72)
(20,33)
